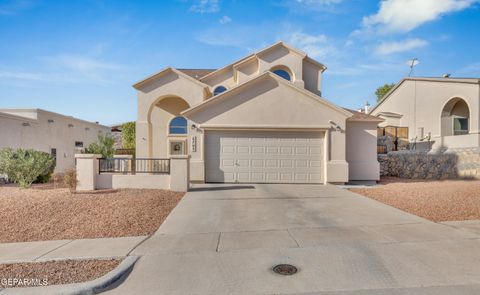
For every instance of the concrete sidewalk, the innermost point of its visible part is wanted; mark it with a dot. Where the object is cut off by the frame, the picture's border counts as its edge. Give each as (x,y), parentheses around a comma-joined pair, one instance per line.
(68,249)
(225,239)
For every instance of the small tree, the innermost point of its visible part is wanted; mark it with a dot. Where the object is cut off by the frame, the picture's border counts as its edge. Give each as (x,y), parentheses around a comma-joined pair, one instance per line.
(24,166)
(382,90)
(104,146)
(128,135)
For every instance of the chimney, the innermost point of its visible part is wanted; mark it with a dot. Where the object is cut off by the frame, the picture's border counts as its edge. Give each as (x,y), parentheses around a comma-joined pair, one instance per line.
(366,108)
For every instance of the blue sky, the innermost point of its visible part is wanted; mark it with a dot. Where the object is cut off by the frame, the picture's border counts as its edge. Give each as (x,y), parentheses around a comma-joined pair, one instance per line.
(81,57)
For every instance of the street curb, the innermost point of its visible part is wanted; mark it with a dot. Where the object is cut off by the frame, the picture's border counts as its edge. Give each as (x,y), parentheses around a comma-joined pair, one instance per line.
(106,282)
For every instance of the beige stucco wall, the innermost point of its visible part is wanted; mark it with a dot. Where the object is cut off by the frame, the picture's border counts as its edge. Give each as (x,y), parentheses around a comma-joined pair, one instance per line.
(42,136)
(421,103)
(154,113)
(269,105)
(361,140)
(305,74)
(263,104)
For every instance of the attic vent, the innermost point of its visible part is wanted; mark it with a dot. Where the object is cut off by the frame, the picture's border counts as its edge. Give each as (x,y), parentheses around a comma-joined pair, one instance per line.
(50,121)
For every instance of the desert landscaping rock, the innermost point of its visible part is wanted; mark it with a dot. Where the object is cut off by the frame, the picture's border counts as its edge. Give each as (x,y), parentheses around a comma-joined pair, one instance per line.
(57,272)
(446,200)
(56,214)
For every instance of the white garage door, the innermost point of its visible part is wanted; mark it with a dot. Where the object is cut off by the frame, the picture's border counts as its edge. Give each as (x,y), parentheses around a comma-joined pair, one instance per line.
(269,157)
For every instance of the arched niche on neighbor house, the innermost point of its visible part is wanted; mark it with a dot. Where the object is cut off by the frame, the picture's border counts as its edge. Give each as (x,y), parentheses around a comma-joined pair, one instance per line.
(455,117)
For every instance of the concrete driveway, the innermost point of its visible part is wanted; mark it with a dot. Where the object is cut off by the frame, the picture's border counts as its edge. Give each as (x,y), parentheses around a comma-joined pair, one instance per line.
(225,239)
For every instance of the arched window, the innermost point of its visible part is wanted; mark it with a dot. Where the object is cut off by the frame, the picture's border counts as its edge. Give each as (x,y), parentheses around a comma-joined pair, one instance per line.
(178,125)
(282,73)
(219,89)
(455,118)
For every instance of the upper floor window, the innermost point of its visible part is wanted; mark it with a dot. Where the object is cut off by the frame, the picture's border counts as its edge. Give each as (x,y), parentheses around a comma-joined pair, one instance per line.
(178,125)
(284,74)
(219,89)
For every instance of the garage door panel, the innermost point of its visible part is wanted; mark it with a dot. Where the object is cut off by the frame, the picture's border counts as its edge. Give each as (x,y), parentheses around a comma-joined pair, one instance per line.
(254,156)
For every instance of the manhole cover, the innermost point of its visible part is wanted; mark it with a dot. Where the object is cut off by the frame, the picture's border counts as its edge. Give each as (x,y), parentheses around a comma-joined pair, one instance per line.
(285,269)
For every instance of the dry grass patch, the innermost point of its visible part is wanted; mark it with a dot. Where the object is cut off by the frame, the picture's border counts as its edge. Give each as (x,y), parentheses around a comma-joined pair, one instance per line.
(446,200)
(55,214)
(54,272)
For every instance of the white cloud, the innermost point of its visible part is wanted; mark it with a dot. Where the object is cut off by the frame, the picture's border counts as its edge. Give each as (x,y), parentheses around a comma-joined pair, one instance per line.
(318,2)
(14,6)
(225,20)
(22,76)
(81,63)
(311,5)
(387,48)
(406,15)
(205,6)
(314,45)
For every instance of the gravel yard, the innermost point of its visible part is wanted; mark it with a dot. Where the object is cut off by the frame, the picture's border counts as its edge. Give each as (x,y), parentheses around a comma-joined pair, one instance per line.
(446,200)
(38,214)
(54,272)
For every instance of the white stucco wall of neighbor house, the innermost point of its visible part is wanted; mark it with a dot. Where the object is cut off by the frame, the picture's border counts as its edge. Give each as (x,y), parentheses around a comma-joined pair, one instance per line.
(48,132)
(419,104)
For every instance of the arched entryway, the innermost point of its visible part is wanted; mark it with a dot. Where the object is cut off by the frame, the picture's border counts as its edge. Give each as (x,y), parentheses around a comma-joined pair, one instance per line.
(455,117)
(164,142)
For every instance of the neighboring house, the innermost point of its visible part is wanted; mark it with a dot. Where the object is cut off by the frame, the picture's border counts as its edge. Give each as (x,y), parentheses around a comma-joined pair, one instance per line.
(442,111)
(259,119)
(116,131)
(56,134)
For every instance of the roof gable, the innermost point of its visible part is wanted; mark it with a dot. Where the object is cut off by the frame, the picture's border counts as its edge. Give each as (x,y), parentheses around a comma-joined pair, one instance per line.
(288,95)
(139,85)
(425,79)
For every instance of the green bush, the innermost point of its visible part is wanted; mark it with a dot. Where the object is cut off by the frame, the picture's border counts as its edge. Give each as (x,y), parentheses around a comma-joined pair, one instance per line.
(25,166)
(104,146)
(128,135)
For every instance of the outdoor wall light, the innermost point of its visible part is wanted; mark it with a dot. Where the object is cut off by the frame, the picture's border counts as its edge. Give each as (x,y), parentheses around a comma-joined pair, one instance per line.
(194,126)
(50,121)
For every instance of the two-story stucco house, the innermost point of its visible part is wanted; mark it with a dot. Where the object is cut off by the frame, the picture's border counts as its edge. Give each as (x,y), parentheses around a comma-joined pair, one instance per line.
(441,111)
(259,119)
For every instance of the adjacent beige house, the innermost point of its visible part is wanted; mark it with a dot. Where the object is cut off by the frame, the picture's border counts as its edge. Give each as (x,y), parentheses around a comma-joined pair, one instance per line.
(259,119)
(56,134)
(441,111)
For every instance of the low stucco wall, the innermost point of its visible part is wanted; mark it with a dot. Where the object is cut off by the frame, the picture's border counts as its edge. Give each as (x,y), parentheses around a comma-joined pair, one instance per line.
(89,178)
(362,151)
(107,181)
(419,164)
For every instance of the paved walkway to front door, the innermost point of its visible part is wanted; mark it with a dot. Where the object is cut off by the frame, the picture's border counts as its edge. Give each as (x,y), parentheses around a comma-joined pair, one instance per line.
(225,239)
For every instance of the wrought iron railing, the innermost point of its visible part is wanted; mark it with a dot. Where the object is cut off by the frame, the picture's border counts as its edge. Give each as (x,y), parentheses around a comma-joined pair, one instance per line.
(133,166)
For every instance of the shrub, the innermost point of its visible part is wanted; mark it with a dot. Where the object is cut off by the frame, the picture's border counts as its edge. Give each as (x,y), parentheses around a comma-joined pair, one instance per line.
(44,178)
(104,146)
(24,166)
(70,179)
(128,135)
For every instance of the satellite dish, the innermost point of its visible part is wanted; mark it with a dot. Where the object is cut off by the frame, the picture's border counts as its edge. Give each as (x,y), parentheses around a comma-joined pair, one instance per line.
(411,63)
